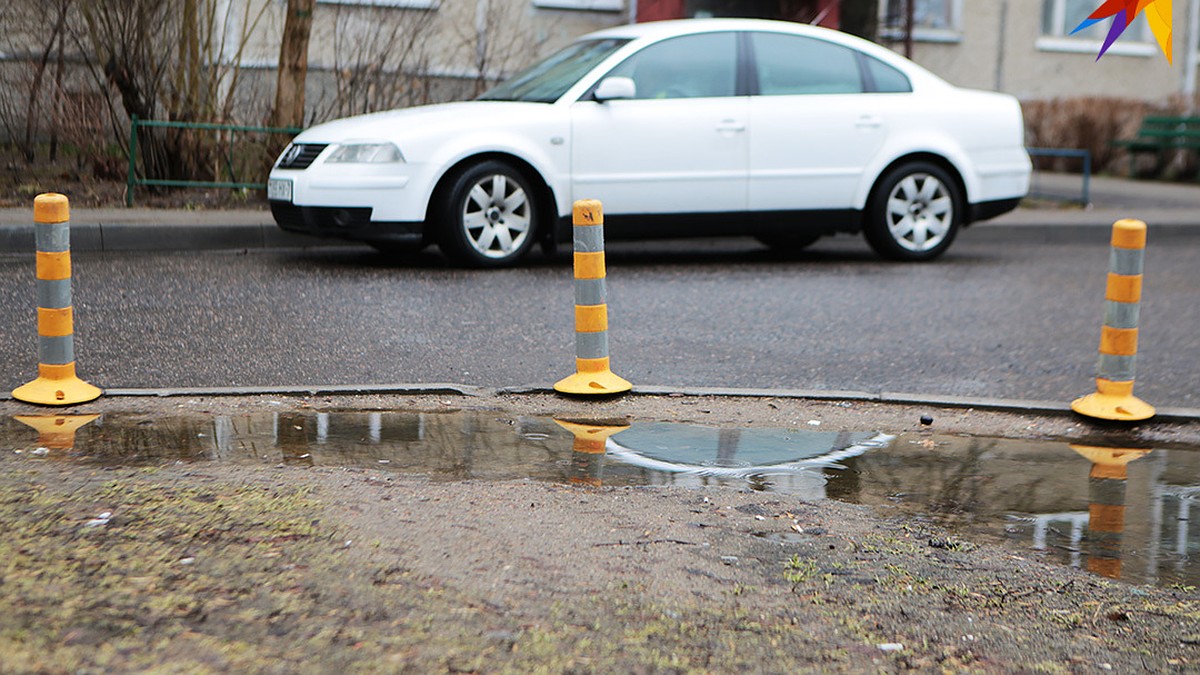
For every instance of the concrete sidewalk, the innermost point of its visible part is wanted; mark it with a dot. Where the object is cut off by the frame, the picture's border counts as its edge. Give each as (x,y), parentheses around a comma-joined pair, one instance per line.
(143,229)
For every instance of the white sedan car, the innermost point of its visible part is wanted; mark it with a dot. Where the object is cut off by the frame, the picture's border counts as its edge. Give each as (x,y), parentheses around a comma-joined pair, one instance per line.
(731,127)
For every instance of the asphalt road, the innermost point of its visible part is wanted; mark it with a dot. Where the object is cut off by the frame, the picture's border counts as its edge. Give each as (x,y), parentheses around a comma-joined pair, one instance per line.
(1009,312)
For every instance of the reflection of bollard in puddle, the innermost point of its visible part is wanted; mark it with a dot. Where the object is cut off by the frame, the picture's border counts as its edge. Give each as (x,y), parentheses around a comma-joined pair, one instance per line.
(587,457)
(1106,506)
(56,432)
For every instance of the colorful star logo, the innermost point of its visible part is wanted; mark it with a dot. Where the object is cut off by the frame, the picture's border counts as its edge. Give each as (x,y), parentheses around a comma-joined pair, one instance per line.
(1158,14)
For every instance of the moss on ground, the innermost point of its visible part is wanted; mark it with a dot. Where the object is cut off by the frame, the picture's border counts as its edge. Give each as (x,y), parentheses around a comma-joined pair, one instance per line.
(198,569)
(218,577)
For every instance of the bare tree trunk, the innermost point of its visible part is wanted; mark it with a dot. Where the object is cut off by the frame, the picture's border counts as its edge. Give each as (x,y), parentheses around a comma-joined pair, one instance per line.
(36,88)
(59,68)
(187,74)
(293,65)
(909,10)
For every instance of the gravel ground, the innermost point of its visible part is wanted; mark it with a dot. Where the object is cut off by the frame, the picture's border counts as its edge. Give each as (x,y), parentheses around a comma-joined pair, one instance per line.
(224,568)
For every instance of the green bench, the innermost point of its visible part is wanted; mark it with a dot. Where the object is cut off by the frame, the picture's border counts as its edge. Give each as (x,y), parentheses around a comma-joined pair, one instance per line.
(1158,135)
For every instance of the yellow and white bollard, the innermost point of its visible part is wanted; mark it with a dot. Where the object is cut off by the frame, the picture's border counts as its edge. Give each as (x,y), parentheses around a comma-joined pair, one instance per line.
(1114,399)
(56,383)
(593,374)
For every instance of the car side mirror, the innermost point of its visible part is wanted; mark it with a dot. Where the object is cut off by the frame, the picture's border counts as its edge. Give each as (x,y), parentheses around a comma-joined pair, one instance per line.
(615,88)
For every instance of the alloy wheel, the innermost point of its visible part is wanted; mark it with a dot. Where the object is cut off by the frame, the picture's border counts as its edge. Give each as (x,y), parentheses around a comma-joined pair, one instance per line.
(920,212)
(496,216)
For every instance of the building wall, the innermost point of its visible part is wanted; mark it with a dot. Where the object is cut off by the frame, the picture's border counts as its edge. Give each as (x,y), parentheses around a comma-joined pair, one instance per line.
(1027,65)
(514,32)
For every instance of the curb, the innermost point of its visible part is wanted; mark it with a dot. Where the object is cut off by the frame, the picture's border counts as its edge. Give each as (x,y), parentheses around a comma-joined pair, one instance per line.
(98,237)
(110,237)
(897,398)
(435,389)
(1019,406)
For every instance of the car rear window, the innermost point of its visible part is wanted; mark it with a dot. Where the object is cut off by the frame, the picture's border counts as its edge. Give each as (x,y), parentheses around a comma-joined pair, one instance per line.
(887,80)
(788,65)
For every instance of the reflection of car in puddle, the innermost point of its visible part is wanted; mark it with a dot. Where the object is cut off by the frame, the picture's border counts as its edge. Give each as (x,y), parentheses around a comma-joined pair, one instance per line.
(683,454)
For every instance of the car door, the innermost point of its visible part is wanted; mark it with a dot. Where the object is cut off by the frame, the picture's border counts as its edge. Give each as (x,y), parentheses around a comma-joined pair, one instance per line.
(814,129)
(680,145)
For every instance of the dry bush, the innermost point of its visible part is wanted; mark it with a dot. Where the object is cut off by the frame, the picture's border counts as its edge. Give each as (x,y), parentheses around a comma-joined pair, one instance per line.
(1091,123)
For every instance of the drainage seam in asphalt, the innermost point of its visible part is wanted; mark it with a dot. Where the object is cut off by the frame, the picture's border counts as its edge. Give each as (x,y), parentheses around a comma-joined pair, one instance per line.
(451,389)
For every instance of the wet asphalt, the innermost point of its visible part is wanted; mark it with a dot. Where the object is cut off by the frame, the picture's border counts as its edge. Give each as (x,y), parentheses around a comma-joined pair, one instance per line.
(1008,312)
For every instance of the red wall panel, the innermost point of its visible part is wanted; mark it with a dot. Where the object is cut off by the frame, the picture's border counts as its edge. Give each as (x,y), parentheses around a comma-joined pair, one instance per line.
(658,10)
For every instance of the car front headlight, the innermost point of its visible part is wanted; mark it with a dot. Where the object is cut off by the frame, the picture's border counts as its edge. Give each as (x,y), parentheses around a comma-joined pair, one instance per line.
(366,153)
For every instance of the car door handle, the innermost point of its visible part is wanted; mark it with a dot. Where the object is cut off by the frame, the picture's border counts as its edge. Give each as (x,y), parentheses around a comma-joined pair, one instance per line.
(869,122)
(731,126)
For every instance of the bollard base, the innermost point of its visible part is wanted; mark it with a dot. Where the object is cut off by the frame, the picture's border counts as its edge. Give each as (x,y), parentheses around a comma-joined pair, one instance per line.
(64,391)
(1113,401)
(599,383)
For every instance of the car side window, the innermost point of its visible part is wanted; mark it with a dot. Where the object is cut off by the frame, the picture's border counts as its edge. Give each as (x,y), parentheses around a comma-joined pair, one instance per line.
(694,66)
(887,79)
(789,65)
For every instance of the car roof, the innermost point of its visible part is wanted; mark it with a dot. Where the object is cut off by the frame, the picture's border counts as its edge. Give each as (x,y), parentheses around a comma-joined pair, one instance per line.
(658,30)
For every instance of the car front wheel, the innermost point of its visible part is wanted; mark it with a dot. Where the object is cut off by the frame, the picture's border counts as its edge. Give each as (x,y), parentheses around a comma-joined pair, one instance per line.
(489,216)
(914,213)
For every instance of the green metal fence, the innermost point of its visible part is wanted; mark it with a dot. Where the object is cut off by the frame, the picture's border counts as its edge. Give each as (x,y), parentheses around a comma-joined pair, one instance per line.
(133,181)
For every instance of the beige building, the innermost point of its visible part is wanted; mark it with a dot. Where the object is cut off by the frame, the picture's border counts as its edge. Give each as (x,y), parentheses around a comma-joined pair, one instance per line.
(367,55)
(374,54)
(1024,47)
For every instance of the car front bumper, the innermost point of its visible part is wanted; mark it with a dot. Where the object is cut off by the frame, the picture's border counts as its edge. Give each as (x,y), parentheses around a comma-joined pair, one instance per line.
(344,223)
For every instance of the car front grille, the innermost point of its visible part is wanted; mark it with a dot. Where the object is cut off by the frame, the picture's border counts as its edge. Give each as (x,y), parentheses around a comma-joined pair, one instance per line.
(319,217)
(300,155)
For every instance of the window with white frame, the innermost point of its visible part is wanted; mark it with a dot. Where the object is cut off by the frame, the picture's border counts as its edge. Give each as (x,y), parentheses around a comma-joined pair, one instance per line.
(400,4)
(592,5)
(933,20)
(1060,17)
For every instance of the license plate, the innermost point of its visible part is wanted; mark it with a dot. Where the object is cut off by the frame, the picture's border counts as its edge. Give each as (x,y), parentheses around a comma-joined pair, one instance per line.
(279,190)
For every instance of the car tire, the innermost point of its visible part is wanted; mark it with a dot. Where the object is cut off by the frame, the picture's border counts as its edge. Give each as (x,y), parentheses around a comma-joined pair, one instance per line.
(914,213)
(788,242)
(488,216)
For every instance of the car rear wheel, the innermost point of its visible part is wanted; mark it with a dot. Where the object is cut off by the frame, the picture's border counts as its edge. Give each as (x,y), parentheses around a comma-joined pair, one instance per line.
(489,216)
(914,213)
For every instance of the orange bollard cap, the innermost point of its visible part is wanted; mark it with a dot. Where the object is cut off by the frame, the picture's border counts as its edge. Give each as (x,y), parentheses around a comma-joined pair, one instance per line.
(51,207)
(1129,233)
(587,212)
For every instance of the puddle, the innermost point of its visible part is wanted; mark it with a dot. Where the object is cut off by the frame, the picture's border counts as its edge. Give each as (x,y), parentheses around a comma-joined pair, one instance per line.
(1121,513)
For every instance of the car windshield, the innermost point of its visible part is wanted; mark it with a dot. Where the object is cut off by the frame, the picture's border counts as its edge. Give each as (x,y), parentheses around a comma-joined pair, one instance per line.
(548,80)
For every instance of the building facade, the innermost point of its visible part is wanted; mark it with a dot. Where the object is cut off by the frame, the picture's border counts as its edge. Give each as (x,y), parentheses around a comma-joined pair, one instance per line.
(1025,47)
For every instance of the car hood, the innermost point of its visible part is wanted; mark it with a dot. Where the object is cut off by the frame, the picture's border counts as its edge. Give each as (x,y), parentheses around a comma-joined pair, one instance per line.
(400,125)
